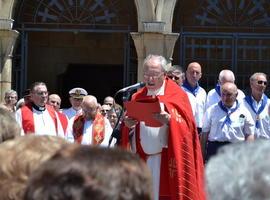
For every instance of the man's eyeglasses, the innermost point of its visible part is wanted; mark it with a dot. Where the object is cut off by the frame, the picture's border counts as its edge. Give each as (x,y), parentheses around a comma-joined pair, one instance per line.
(55,102)
(262,82)
(41,93)
(173,77)
(154,76)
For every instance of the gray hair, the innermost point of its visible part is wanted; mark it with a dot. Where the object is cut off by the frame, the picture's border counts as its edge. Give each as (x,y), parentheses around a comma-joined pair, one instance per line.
(240,171)
(159,58)
(254,76)
(226,74)
(11,92)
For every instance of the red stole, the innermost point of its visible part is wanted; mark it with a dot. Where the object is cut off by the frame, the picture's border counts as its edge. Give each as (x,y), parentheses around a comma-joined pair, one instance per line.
(182,169)
(98,130)
(28,118)
(64,121)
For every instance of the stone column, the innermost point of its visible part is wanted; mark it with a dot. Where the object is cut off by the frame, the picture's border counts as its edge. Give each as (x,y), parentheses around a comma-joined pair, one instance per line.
(154,34)
(153,43)
(7,41)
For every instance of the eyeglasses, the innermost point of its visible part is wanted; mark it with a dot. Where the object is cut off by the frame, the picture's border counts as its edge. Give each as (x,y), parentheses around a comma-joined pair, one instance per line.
(10,97)
(41,93)
(78,99)
(55,102)
(262,82)
(173,77)
(154,76)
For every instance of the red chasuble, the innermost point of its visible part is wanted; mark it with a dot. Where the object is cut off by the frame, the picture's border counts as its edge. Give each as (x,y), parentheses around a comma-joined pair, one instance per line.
(28,118)
(182,169)
(98,131)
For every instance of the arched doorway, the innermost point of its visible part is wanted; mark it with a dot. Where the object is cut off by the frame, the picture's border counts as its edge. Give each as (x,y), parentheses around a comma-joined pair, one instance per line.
(59,37)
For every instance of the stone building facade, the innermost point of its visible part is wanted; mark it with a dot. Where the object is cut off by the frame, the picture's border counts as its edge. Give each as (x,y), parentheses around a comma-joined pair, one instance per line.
(100,44)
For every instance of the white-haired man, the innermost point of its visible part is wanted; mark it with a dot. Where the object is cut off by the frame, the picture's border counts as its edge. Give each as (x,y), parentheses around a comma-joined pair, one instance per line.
(213,96)
(167,148)
(258,105)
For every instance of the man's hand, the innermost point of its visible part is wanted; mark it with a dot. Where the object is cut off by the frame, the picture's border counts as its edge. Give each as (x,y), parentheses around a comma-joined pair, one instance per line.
(163,117)
(130,122)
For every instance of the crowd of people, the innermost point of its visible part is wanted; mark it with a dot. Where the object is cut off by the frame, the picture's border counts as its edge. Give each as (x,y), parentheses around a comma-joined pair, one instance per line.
(195,126)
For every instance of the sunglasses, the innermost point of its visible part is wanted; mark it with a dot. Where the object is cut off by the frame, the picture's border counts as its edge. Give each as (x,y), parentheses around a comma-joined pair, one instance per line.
(262,82)
(173,77)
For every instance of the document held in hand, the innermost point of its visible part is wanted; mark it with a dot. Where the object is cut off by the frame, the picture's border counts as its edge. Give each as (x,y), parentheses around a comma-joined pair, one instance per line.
(143,110)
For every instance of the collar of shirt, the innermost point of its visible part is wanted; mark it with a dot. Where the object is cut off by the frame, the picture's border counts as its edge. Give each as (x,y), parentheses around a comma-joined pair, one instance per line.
(256,105)
(159,91)
(38,107)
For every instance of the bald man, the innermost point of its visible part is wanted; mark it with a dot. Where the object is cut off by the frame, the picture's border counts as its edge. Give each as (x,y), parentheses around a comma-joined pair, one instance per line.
(55,101)
(90,127)
(196,94)
(213,96)
(227,122)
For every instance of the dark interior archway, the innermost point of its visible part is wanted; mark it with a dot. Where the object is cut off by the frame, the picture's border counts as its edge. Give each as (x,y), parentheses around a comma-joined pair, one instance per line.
(97,80)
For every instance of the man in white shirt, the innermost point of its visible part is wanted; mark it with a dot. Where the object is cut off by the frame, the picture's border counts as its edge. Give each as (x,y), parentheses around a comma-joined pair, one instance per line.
(196,94)
(227,121)
(213,95)
(76,96)
(36,116)
(90,127)
(258,105)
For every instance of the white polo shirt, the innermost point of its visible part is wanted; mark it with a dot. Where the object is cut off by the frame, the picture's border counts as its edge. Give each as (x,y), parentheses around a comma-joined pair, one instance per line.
(197,104)
(241,125)
(263,131)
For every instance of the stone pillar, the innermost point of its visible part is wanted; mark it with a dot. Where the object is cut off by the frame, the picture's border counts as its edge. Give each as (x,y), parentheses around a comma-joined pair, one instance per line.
(153,43)
(154,34)
(7,41)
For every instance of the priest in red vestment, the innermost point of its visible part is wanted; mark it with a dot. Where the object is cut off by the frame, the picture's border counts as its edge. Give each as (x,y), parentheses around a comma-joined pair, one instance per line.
(172,151)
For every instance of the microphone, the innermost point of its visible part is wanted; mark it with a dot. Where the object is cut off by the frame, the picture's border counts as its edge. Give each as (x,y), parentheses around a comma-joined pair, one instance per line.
(132,87)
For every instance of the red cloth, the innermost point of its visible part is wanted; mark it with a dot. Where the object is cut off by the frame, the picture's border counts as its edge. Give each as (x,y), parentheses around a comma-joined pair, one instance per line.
(182,169)
(28,118)
(98,130)
(63,120)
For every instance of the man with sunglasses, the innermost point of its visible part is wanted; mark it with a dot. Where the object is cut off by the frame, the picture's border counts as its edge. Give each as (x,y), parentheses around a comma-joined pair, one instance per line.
(75,99)
(213,96)
(172,150)
(258,105)
(176,73)
(36,117)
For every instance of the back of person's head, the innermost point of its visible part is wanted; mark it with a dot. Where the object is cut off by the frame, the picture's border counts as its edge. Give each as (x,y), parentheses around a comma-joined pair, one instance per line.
(83,173)
(19,158)
(9,128)
(240,172)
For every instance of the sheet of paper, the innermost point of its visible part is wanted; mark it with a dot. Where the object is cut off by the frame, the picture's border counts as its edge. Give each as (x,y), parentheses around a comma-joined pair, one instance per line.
(143,109)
